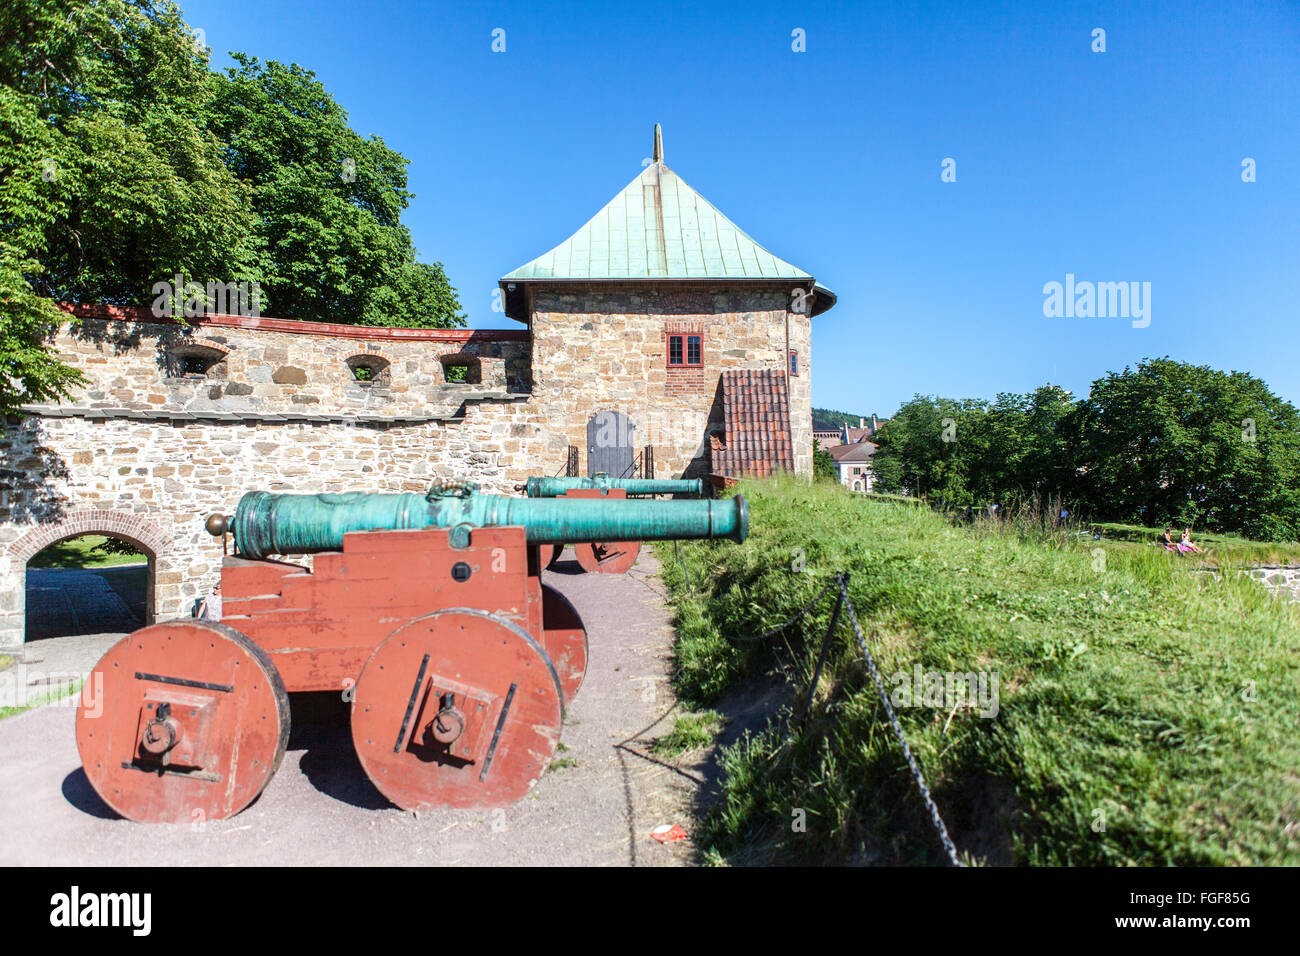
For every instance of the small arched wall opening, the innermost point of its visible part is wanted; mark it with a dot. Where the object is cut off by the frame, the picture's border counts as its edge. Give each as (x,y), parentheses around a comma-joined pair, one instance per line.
(140,532)
(195,360)
(369,369)
(461,368)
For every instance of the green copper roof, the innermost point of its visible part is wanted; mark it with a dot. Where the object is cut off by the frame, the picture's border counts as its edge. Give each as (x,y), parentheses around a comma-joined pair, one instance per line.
(657,228)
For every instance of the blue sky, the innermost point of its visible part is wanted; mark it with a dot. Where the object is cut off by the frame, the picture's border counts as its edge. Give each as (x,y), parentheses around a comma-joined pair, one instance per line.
(1117,166)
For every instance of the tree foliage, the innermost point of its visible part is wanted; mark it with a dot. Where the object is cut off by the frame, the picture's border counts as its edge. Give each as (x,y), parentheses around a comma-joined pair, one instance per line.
(1167,442)
(1170,442)
(823,463)
(825,420)
(125,161)
(328,202)
(919,452)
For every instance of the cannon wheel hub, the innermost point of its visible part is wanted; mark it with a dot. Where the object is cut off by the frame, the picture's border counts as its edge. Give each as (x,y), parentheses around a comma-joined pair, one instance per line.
(507,702)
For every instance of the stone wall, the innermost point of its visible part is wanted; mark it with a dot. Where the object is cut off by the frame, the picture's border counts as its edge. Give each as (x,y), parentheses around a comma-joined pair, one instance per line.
(145,451)
(154,482)
(178,421)
(275,366)
(1284,580)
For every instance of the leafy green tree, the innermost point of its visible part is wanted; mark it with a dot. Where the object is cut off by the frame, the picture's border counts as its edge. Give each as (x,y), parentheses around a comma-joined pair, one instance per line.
(109,180)
(887,474)
(28,371)
(125,162)
(823,463)
(1170,442)
(927,448)
(329,202)
(1023,445)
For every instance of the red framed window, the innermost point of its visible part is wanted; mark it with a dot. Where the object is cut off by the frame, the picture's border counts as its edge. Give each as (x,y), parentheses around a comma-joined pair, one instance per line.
(686,350)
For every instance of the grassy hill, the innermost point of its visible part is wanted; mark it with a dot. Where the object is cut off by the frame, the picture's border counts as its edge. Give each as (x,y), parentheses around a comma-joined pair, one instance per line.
(1146,713)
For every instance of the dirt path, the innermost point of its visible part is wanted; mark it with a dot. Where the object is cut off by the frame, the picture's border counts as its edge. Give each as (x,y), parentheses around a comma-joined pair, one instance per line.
(321,810)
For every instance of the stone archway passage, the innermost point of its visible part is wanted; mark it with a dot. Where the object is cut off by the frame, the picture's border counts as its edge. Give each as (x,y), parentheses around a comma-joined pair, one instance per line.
(137,529)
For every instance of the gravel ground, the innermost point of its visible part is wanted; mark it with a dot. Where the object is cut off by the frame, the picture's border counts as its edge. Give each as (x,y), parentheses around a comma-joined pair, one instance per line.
(320,809)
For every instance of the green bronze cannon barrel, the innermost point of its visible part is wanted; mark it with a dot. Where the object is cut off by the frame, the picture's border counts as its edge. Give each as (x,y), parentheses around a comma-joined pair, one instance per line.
(266,523)
(537,487)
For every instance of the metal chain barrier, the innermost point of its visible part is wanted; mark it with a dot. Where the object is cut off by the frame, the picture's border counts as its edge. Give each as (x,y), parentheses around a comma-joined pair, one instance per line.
(841,582)
(773,631)
(898,731)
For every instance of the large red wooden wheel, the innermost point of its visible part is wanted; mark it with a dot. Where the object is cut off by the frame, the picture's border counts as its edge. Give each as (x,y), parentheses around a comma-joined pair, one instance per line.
(548,553)
(607,557)
(459,708)
(565,640)
(182,722)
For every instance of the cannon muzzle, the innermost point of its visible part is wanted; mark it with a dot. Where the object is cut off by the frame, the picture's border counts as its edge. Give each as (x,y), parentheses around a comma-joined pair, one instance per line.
(537,487)
(266,523)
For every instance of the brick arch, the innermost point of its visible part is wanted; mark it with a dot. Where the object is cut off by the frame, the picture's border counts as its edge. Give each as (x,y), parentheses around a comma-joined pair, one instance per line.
(358,358)
(135,528)
(381,367)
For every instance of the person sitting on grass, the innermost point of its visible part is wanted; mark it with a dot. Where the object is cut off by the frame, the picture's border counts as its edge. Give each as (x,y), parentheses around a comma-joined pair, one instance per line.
(1186,543)
(1168,541)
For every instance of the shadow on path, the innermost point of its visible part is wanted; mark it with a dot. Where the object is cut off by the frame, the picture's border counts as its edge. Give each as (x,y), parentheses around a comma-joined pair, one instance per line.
(78,792)
(62,602)
(320,725)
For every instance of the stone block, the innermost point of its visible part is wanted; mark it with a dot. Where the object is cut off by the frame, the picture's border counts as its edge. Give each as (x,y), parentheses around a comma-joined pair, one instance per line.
(289,375)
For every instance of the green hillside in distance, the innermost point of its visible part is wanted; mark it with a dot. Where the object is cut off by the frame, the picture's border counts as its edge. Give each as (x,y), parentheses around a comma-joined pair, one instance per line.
(825,420)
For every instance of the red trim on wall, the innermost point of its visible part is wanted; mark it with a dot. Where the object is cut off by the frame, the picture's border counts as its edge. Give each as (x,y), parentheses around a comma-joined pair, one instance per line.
(123,313)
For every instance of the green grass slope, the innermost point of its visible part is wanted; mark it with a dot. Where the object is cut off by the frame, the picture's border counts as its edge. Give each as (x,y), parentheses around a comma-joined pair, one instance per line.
(1147,714)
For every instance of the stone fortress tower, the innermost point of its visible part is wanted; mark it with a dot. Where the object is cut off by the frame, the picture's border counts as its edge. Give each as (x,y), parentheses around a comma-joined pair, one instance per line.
(659,338)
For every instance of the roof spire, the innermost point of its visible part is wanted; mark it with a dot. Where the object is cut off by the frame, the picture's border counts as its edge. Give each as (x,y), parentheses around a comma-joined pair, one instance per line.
(658,155)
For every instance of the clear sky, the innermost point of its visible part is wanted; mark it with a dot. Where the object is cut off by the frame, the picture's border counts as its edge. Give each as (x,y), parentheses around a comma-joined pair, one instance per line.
(1122,166)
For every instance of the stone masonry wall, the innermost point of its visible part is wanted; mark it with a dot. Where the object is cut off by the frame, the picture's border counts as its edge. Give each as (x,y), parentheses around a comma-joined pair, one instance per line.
(270,365)
(598,347)
(167,478)
(145,453)
(146,450)
(1283,580)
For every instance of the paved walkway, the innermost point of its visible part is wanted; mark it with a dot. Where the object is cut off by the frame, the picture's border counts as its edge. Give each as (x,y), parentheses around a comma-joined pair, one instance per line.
(62,601)
(321,810)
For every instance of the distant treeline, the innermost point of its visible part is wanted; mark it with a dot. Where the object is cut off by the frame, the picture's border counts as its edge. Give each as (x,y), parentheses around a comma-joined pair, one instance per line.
(1165,443)
(825,420)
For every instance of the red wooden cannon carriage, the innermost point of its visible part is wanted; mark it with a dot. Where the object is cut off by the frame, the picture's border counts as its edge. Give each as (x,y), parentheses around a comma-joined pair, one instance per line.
(457,659)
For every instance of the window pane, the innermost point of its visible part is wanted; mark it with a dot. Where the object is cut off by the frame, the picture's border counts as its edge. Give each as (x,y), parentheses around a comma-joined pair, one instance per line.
(692,350)
(794,363)
(674,350)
